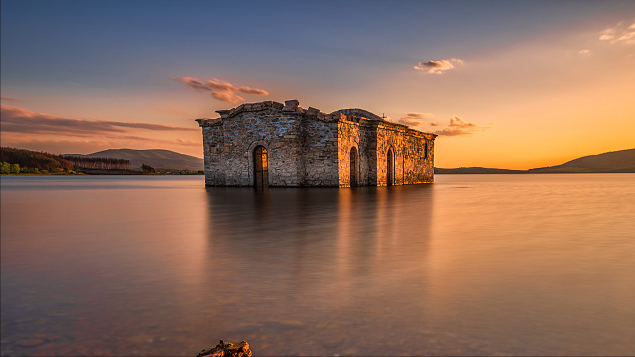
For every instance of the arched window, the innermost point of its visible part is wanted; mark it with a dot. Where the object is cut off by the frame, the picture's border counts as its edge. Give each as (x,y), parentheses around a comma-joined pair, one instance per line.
(261,167)
(353,167)
(390,170)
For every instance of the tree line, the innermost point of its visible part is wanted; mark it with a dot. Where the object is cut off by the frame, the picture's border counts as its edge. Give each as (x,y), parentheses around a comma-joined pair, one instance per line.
(38,161)
(28,159)
(100,163)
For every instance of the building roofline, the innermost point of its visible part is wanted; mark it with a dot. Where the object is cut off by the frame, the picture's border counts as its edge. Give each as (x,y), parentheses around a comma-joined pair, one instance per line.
(352,115)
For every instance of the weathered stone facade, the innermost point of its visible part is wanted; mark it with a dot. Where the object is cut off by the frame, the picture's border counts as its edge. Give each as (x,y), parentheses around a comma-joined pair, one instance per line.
(305,147)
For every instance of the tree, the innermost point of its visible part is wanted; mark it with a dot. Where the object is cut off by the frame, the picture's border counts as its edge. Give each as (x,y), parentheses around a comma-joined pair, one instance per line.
(147,169)
(14,168)
(5,168)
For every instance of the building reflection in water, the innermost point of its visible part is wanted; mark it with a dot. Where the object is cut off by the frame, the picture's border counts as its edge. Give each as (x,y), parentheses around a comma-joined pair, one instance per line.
(302,263)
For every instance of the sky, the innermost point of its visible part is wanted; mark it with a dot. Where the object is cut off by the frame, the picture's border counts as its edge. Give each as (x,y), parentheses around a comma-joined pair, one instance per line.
(507,84)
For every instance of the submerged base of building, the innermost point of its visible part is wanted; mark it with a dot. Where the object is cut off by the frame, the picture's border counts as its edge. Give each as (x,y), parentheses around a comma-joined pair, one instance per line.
(270,144)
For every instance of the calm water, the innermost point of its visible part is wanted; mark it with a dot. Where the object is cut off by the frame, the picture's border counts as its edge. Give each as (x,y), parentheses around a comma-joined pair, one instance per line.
(471,265)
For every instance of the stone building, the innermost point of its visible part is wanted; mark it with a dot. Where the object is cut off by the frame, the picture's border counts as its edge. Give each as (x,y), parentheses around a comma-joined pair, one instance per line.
(274,144)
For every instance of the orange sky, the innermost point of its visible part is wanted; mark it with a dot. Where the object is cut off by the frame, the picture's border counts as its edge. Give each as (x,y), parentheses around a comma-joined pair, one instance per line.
(517,95)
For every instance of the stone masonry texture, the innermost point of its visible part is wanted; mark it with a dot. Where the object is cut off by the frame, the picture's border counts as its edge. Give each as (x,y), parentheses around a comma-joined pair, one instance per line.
(306,147)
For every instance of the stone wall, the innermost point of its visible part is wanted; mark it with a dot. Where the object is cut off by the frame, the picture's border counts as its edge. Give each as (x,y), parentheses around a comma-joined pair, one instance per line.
(372,138)
(413,163)
(319,142)
(390,137)
(358,134)
(309,148)
(213,135)
(301,147)
(419,159)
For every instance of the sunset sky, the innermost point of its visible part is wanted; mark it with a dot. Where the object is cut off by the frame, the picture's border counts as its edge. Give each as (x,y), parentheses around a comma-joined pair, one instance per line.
(509,84)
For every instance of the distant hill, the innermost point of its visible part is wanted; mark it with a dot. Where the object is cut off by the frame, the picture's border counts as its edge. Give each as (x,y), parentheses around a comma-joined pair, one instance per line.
(476,170)
(157,158)
(615,161)
(609,162)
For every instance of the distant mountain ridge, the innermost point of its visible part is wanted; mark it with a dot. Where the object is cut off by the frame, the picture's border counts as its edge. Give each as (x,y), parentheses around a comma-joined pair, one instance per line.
(614,161)
(608,162)
(476,170)
(157,158)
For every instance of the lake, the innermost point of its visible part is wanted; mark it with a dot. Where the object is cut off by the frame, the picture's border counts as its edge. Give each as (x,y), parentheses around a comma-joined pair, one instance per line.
(469,265)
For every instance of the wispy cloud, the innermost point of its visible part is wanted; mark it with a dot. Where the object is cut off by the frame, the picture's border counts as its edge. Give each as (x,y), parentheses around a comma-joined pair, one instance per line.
(188,143)
(585,52)
(414,119)
(619,34)
(179,112)
(438,66)
(221,90)
(21,120)
(7,99)
(459,126)
(88,145)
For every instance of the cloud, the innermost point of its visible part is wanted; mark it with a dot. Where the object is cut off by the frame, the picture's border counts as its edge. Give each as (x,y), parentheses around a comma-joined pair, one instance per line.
(179,112)
(188,142)
(19,120)
(414,119)
(7,99)
(619,33)
(438,66)
(585,52)
(459,126)
(607,35)
(221,90)
(76,146)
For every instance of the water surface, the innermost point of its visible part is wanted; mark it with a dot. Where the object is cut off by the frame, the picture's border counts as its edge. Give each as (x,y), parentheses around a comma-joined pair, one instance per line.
(470,265)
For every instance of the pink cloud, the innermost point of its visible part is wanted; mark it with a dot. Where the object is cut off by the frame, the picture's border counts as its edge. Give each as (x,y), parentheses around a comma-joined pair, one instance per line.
(438,66)
(188,143)
(414,119)
(7,99)
(619,34)
(221,90)
(19,120)
(38,131)
(79,146)
(179,112)
(459,126)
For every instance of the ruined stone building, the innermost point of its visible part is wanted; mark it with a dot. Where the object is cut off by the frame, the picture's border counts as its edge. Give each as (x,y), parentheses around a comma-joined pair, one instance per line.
(271,144)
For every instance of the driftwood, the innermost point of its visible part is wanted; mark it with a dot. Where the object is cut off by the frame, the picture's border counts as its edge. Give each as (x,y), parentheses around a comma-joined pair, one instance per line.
(227,349)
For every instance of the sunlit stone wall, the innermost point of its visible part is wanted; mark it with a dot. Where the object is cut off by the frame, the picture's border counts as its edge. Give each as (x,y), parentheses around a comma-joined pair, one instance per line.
(413,163)
(354,132)
(373,138)
(309,148)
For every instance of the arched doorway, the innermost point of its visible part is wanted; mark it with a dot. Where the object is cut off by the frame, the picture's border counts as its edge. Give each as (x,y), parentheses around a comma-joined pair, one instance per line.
(353,167)
(261,167)
(390,170)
